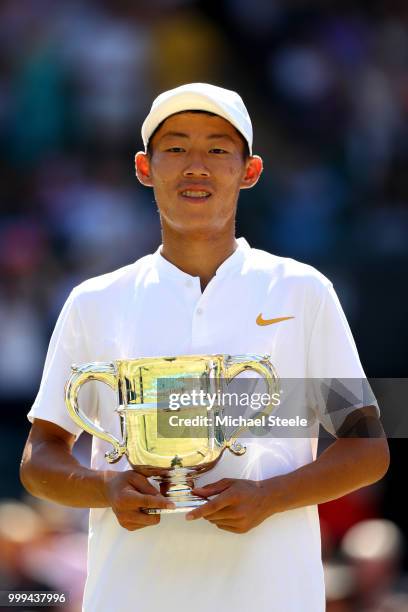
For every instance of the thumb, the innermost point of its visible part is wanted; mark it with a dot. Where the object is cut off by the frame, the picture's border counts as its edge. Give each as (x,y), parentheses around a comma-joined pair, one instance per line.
(141,484)
(213,488)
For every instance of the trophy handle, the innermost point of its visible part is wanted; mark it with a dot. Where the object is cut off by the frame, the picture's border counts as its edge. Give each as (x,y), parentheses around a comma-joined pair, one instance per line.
(104,372)
(261,365)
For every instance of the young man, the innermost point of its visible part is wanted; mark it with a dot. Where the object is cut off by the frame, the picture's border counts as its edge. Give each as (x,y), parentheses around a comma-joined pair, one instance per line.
(257,542)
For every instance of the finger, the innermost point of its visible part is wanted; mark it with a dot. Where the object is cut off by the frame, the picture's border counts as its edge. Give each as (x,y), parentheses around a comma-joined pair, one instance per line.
(155,501)
(134,499)
(141,483)
(224,524)
(138,516)
(209,508)
(213,488)
(226,528)
(227,513)
(147,519)
(142,520)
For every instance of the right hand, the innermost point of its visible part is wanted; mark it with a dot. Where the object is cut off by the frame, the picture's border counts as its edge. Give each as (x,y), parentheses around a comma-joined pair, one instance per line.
(127,492)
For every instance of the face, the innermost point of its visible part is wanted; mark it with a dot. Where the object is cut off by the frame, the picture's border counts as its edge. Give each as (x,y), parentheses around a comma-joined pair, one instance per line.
(197,169)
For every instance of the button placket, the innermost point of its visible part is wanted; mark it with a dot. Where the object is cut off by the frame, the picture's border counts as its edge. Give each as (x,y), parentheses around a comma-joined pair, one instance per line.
(200,331)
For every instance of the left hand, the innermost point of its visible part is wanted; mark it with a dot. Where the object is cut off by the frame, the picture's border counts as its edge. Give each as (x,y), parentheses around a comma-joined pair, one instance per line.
(240,505)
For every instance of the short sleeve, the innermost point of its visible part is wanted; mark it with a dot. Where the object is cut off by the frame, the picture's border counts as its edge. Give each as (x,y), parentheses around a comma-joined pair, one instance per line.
(336,381)
(67,346)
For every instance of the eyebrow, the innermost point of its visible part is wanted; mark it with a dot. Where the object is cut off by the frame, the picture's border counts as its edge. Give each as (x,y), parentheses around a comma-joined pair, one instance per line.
(177,134)
(219,136)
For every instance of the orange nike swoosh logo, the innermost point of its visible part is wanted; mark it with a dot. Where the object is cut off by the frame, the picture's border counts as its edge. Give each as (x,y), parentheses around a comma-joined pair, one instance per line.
(261,321)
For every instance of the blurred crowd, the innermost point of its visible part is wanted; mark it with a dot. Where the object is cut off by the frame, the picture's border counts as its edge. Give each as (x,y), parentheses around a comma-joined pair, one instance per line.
(326,84)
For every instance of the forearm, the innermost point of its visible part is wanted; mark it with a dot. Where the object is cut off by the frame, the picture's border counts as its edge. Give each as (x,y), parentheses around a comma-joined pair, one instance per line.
(348,464)
(52,473)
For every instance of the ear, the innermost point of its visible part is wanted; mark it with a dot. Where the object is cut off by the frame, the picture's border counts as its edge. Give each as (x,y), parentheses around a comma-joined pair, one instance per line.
(142,167)
(254,167)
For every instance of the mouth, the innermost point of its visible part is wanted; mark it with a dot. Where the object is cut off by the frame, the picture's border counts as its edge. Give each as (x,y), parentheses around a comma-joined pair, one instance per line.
(195,195)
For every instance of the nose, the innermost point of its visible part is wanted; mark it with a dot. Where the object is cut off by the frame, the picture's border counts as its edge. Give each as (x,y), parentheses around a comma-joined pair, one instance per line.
(196,167)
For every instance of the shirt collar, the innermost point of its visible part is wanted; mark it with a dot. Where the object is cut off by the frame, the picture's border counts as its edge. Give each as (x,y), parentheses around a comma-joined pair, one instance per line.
(166,268)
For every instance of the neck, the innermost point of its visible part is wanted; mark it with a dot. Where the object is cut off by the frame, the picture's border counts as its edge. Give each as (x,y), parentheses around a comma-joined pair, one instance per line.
(198,255)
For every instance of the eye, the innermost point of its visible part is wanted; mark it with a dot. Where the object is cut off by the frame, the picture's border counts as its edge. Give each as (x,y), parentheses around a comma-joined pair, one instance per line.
(175,150)
(218,151)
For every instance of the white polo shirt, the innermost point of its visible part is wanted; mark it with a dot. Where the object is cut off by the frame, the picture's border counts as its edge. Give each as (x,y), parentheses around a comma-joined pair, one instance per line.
(151,308)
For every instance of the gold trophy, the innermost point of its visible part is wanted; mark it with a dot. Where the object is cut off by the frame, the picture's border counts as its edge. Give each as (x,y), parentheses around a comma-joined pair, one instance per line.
(154,448)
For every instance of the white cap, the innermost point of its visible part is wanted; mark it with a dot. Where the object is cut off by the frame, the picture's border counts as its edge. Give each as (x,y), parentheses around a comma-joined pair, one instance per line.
(199,96)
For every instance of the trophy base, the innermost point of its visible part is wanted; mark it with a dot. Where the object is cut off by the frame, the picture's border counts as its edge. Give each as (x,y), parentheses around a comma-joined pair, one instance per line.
(177,487)
(181,506)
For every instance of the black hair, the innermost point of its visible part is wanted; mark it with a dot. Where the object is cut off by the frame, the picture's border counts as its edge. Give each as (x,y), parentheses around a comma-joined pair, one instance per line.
(149,149)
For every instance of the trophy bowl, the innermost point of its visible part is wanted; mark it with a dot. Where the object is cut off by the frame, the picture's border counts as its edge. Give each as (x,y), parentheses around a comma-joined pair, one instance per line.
(154,447)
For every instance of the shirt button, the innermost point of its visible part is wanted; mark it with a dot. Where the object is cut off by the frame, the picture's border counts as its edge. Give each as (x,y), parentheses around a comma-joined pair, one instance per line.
(199,311)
